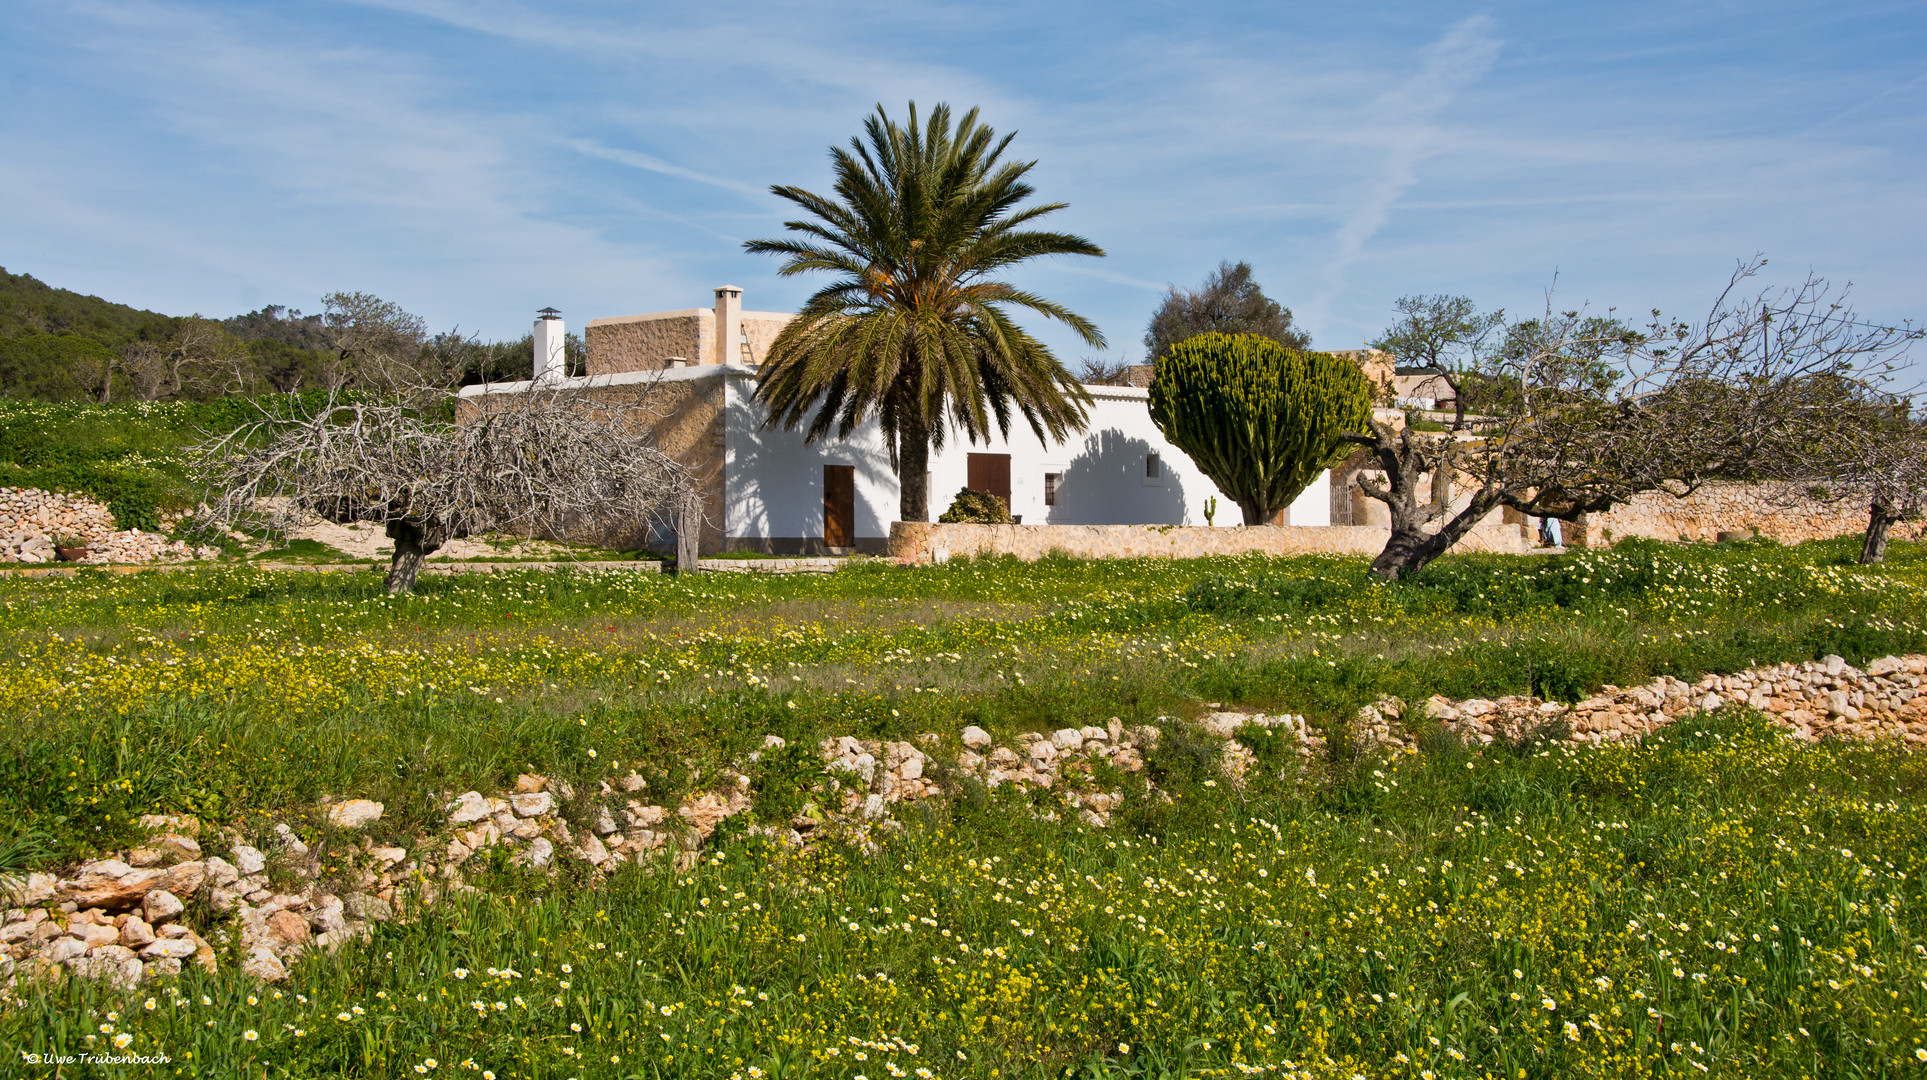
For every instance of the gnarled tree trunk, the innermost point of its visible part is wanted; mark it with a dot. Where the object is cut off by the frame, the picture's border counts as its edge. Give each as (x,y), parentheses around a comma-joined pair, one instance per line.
(1880,521)
(1406,458)
(1411,548)
(414,542)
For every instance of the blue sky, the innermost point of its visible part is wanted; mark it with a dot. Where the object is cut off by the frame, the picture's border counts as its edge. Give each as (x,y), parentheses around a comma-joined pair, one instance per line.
(475,160)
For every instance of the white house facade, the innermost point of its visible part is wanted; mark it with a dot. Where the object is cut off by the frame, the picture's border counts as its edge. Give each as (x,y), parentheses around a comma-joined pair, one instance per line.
(784,494)
(767,489)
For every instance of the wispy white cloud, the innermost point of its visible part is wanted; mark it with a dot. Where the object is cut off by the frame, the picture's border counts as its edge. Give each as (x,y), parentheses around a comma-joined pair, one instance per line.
(1083,269)
(1406,118)
(1889,91)
(408,185)
(638,160)
(465,157)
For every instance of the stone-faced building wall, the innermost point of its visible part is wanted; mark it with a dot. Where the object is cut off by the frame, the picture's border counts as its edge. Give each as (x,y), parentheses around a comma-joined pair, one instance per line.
(1377,366)
(760,329)
(687,418)
(694,336)
(648,342)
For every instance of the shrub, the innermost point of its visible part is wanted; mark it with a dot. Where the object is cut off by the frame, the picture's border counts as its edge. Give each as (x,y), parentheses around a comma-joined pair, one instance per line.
(973,507)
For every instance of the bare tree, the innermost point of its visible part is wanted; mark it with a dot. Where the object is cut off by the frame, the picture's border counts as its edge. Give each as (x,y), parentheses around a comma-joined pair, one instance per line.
(1096,371)
(199,356)
(1885,465)
(539,462)
(1691,403)
(1229,303)
(1861,447)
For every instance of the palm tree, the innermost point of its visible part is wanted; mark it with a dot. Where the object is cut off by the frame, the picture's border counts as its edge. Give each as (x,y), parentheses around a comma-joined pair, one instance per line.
(915,330)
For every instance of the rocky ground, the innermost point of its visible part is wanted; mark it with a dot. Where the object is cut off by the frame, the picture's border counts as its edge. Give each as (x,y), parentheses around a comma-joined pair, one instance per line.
(365,541)
(144,913)
(31,520)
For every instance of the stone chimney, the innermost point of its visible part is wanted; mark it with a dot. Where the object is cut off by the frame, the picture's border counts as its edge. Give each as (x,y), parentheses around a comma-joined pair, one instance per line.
(551,360)
(729,326)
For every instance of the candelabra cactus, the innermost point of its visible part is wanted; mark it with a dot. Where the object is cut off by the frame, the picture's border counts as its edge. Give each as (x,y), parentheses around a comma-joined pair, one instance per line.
(1262,421)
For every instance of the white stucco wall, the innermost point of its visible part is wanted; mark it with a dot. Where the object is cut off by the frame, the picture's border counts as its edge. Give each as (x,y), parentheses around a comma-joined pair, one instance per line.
(1103,469)
(774,485)
(773,480)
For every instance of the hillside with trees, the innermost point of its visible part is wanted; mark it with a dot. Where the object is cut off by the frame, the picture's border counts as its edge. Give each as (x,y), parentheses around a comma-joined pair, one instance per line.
(101,398)
(60,345)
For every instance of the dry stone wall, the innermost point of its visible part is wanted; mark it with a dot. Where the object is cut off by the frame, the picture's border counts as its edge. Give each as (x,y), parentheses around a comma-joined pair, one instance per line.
(134,916)
(1728,508)
(1823,699)
(141,914)
(31,520)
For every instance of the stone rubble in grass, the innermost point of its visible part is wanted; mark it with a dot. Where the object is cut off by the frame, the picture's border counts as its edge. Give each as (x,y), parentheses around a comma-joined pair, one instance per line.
(354,814)
(129,917)
(275,905)
(31,519)
(1822,699)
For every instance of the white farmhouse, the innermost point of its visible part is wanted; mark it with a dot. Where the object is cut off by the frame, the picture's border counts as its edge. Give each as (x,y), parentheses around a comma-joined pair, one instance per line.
(766,490)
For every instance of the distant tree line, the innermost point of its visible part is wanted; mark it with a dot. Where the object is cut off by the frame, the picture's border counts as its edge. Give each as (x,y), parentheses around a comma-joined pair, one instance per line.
(59,345)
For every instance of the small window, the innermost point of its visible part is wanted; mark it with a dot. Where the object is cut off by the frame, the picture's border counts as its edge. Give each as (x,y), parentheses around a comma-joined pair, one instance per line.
(1051,480)
(1152,467)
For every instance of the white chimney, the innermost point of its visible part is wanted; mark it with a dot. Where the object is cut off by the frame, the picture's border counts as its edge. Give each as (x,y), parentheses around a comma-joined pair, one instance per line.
(551,362)
(729,326)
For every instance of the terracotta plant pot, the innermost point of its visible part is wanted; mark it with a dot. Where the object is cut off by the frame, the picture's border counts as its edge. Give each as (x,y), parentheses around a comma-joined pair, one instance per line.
(71,554)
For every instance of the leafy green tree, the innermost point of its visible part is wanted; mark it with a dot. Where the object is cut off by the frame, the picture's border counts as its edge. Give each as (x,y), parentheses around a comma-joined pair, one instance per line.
(1448,335)
(1229,303)
(377,345)
(915,330)
(1262,421)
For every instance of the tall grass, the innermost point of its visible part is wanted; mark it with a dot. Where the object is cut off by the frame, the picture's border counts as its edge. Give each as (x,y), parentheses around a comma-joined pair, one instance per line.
(1715,899)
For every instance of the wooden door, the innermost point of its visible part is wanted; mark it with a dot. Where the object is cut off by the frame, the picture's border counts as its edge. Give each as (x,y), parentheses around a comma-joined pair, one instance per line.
(990,474)
(839,506)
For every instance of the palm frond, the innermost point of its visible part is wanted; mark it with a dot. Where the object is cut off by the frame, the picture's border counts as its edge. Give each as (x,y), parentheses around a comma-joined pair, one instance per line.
(914,330)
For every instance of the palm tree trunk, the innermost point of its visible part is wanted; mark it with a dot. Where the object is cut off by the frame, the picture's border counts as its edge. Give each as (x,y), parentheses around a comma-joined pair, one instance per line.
(913,471)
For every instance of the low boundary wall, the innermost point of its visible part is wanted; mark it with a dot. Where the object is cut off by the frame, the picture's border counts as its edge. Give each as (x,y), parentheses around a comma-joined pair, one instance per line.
(1718,508)
(916,541)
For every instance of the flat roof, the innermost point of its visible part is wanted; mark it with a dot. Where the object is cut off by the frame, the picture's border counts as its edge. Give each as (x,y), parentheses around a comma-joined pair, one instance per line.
(709,371)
